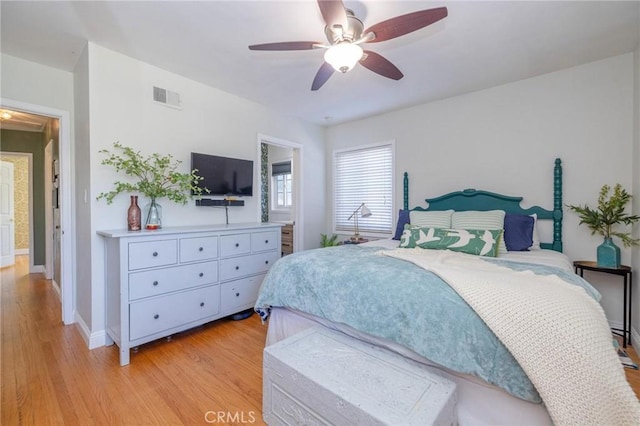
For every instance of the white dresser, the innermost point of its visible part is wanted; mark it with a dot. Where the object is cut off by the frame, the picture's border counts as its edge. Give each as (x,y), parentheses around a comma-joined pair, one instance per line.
(172,279)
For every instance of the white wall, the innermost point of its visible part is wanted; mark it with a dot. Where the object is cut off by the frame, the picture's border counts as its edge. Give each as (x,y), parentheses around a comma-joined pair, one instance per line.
(82,175)
(36,84)
(635,262)
(210,122)
(505,139)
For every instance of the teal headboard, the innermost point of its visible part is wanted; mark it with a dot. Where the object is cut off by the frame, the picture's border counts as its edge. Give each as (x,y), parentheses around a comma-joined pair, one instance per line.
(472,199)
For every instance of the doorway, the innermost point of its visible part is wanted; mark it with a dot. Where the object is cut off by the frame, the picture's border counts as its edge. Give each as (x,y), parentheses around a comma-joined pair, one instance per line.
(16,211)
(66,284)
(286,152)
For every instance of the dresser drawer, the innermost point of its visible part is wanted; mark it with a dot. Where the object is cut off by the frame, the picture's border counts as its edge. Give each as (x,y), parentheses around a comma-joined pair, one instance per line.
(155,315)
(263,241)
(247,265)
(152,254)
(235,295)
(231,245)
(287,248)
(159,281)
(199,248)
(287,233)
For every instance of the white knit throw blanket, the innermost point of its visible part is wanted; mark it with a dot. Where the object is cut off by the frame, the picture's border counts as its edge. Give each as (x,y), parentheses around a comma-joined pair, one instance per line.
(555,330)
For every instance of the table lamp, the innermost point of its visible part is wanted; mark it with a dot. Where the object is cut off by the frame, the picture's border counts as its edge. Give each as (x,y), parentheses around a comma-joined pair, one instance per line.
(364,212)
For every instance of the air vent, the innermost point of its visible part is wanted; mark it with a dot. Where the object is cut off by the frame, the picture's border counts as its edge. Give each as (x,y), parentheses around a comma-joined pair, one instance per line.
(167,97)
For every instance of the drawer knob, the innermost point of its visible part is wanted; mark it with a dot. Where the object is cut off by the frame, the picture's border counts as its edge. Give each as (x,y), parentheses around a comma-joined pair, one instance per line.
(156,316)
(237,244)
(155,283)
(155,254)
(200,249)
(266,241)
(201,274)
(237,267)
(201,304)
(266,262)
(237,294)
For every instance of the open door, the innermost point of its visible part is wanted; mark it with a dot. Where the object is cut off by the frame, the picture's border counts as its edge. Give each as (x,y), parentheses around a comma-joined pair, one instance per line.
(7,224)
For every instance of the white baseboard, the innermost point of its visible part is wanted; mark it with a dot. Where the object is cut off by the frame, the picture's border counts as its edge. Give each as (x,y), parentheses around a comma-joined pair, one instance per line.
(56,288)
(92,340)
(615,324)
(36,269)
(20,252)
(635,337)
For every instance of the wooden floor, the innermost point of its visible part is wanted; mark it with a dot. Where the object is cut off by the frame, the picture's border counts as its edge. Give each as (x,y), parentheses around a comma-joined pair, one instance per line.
(211,375)
(49,376)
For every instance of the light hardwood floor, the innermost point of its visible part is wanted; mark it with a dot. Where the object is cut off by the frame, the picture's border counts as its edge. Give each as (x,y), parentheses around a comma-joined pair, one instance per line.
(211,375)
(50,377)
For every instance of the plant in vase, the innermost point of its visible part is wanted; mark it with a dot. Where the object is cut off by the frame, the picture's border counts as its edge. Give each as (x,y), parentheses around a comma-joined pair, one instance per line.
(609,213)
(156,178)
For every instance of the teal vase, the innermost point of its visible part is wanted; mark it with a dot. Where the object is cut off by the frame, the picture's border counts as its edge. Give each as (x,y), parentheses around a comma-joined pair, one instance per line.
(608,254)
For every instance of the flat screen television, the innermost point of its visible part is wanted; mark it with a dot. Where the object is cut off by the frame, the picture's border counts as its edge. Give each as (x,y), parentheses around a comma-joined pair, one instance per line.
(223,175)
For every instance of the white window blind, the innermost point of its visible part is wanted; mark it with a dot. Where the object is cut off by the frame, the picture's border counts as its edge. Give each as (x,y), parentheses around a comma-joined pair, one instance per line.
(364,175)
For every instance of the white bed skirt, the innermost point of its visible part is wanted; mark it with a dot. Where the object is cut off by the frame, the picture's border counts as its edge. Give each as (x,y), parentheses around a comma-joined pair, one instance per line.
(479,403)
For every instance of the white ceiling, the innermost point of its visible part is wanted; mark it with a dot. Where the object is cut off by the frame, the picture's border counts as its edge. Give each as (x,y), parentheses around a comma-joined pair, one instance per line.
(479,45)
(17,120)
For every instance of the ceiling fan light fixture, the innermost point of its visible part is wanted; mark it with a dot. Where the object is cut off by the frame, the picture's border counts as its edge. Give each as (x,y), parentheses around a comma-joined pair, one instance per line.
(343,56)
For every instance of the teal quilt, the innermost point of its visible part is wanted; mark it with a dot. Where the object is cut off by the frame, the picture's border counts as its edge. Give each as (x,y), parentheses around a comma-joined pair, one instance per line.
(399,301)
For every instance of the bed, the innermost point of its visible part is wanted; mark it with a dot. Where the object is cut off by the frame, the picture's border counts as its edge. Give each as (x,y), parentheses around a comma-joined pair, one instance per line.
(407,300)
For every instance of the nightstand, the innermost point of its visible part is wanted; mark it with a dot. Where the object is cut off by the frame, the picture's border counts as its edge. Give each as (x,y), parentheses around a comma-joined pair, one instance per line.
(626,273)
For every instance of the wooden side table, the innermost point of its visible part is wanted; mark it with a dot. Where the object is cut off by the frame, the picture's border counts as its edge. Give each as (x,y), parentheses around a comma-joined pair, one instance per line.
(626,273)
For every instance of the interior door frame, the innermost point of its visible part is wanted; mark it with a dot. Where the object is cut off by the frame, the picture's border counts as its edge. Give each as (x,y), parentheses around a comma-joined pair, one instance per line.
(67,246)
(29,156)
(10,222)
(298,235)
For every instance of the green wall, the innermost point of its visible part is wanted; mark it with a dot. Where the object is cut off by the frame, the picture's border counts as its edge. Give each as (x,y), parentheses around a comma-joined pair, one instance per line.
(31,142)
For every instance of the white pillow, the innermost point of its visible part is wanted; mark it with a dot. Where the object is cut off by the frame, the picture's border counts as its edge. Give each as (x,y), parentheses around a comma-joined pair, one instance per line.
(474,219)
(536,235)
(431,219)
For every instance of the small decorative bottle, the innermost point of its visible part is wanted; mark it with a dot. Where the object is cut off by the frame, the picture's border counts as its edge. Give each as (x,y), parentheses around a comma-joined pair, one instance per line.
(134,215)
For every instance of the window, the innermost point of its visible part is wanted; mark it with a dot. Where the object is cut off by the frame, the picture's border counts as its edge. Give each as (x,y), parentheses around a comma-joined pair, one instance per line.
(282,185)
(364,175)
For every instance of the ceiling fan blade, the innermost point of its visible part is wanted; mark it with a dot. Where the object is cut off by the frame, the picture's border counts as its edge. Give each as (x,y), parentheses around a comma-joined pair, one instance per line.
(325,71)
(286,45)
(333,13)
(380,65)
(405,24)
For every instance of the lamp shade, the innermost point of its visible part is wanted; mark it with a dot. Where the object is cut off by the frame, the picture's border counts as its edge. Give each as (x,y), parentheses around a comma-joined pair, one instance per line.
(343,56)
(364,211)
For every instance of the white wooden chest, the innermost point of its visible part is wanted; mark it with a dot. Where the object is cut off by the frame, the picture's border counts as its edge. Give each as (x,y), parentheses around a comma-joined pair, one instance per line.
(320,377)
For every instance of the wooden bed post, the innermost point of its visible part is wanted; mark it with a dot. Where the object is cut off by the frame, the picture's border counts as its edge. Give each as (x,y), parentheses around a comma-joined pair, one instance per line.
(557,206)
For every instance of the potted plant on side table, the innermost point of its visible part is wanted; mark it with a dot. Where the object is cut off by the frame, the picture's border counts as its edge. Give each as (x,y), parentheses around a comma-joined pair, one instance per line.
(156,178)
(609,213)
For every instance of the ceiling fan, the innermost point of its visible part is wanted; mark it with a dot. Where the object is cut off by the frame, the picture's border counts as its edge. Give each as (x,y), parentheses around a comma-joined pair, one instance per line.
(345,33)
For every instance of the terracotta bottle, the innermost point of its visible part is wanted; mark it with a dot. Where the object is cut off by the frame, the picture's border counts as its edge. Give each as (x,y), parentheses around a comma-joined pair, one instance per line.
(133,215)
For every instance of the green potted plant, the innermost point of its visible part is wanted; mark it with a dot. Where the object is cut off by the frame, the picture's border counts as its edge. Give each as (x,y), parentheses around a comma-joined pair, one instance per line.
(155,177)
(326,241)
(602,220)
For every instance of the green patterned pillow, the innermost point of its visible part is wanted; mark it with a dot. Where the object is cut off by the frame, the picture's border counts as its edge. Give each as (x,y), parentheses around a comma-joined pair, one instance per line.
(481,242)
(474,219)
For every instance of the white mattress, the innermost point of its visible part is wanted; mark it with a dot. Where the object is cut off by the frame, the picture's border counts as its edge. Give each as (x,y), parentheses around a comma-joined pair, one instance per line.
(479,402)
